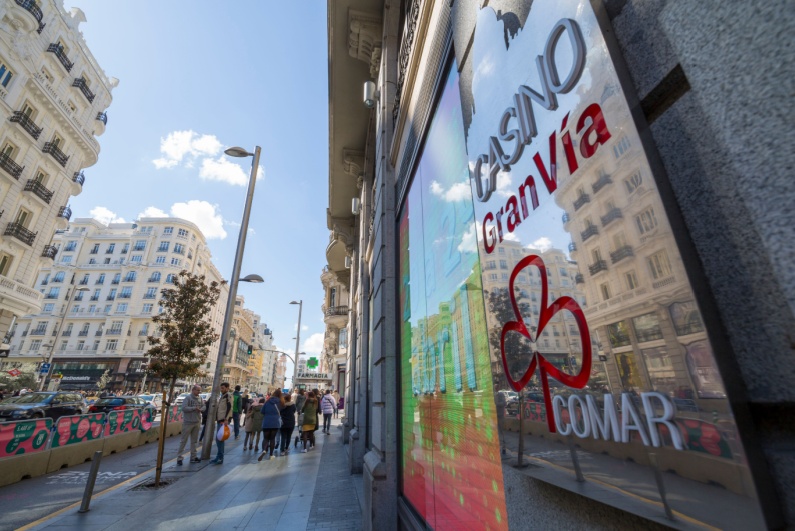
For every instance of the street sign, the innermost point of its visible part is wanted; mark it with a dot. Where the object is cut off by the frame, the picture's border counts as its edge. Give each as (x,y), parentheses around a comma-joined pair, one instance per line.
(45,368)
(14,372)
(311,362)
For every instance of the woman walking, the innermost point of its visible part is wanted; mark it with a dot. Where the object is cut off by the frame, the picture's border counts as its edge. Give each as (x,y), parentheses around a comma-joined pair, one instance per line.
(310,420)
(328,406)
(288,424)
(255,413)
(271,422)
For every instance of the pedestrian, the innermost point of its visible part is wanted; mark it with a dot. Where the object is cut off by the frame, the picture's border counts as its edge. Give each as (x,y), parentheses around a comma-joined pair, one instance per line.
(288,424)
(310,421)
(191,419)
(299,406)
(336,396)
(328,406)
(223,415)
(248,424)
(237,408)
(271,423)
(256,424)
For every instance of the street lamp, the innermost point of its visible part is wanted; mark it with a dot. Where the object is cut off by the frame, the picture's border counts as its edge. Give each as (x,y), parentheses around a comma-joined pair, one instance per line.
(57,332)
(300,304)
(230,303)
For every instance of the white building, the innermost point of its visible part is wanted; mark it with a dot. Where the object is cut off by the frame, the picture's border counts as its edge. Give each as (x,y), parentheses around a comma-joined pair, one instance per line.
(101,294)
(53,97)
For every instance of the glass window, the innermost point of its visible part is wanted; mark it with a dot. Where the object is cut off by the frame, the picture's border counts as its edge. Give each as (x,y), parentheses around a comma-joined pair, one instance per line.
(647,327)
(618,333)
(659,265)
(686,318)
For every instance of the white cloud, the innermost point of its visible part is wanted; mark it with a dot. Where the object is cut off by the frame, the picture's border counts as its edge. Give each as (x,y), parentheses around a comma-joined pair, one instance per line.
(204,215)
(105,215)
(223,170)
(511,237)
(469,241)
(152,212)
(181,144)
(504,184)
(304,328)
(457,192)
(314,344)
(543,244)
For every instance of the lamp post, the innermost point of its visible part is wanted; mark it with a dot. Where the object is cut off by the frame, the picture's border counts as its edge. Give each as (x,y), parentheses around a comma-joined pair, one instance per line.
(300,304)
(57,332)
(230,303)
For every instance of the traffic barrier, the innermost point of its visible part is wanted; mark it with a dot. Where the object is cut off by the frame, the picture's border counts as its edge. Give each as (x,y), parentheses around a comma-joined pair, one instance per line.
(23,466)
(24,436)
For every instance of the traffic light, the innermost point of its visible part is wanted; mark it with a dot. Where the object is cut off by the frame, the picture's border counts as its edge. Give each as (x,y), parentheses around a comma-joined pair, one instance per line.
(250,350)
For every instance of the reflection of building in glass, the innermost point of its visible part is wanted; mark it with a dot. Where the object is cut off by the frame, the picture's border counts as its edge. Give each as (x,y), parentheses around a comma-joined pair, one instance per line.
(640,306)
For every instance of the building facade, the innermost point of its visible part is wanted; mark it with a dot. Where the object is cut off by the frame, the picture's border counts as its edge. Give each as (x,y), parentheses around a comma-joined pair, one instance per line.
(100,295)
(503,147)
(53,101)
(335,340)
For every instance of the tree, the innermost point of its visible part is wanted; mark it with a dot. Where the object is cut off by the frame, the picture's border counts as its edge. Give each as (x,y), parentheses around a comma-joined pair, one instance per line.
(102,383)
(26,380)
(181,346)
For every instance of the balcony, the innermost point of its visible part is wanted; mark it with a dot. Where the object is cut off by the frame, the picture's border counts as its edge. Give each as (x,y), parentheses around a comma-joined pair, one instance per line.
(53,149)
(103,117)
(78,298)
(83,86)
(39,190)
(139,248)
(125,295)
(113,332)
(110,298)
(33,8)
(115,281)
(153,279)
(79,178)
(94,298)
(26,123)
(67,333)
(98,333)
(337,310)
(143,332)
(83,282)
(580,201)
(61,55)
(82,333)
(65,212)
(49,252)
(20,233)
(601,182)
(579,279)
(572,247)
(38,331)
(592,230)
(614,214)
(148,296)
(621,253)
(69,248)
(597,267)
(11,167)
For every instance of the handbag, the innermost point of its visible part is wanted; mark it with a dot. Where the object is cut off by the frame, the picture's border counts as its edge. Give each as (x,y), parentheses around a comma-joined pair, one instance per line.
(223,433)
(281,422)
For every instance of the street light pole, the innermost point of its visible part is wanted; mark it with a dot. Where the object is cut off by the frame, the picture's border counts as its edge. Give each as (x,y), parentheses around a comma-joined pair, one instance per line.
(300,304)
(230,303)
(57,332)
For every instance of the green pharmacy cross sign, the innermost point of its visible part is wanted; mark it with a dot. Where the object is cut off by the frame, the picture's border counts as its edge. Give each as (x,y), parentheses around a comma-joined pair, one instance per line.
(312,363)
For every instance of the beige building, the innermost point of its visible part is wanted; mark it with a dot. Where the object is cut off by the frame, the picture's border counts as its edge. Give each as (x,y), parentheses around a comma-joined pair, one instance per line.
(333,359)
(53,97)
(101,293)
(237,368)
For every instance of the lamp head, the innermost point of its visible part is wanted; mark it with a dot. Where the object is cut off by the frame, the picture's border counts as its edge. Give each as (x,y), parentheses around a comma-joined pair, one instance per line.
(296,302)
(254,279)
(237,152)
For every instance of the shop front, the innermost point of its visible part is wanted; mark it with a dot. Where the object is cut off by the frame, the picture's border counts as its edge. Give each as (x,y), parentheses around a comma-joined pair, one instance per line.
(83,376)
(548,326)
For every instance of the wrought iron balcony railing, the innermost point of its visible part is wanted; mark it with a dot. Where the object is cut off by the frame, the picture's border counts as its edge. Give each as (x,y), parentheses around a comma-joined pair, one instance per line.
(39,190)
(65,212)
(20,233)
(614,214)
(597,267)
(59,52)
(621,253)
(103,117)
(83,86)
(572,247)
(79,178)
(53,149)
(580,201)
(27,123)
(33,8)
(592,230)
(337,310)
(49,252)
(8,164)
(579,279)
(601,182)
(82,333)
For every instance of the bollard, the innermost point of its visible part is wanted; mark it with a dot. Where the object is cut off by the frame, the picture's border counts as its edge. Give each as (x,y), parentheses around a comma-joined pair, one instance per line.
(92,478)
(661,486)
(575,460)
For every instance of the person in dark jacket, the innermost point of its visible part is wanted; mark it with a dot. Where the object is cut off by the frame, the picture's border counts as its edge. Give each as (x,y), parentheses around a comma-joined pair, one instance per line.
(288,424)
(271,417)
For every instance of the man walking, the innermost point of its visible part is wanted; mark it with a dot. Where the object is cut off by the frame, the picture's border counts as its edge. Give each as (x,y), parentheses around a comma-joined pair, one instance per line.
(328,406)
(191,413)
(237,408)
(223,415)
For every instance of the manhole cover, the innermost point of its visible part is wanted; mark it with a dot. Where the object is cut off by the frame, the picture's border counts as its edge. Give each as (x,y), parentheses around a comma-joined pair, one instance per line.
(149,484)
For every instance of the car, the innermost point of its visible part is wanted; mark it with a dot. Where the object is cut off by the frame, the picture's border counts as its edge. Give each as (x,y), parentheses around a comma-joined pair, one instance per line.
(118,403)
(180,398)
(154,399)
(41,404)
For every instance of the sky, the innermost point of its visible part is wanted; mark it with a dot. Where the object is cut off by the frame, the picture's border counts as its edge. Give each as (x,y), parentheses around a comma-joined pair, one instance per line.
(196,77)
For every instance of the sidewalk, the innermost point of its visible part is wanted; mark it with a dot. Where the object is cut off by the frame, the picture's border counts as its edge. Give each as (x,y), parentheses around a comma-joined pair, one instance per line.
(300,491)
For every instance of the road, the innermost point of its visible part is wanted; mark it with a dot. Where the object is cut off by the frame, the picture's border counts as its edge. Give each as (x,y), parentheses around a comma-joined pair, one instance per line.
(31,499)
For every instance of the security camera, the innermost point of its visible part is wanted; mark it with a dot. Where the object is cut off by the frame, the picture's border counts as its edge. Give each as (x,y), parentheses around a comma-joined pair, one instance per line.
(370,94)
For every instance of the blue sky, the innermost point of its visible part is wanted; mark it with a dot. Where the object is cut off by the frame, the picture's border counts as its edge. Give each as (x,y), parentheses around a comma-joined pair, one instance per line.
(199,76)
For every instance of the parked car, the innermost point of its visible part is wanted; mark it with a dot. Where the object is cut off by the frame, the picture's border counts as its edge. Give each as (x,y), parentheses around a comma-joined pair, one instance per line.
(155,399)
(43,404)
(180,398)
(118,403)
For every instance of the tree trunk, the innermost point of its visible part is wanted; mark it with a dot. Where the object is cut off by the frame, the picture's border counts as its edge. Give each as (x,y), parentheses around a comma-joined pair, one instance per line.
(161,444)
